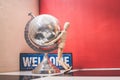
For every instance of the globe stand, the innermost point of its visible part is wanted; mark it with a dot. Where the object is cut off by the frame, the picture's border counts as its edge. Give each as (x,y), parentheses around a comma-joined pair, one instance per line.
(45,67)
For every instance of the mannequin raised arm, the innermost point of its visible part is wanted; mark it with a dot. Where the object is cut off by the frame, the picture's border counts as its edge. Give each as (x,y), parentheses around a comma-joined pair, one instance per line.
(66,25)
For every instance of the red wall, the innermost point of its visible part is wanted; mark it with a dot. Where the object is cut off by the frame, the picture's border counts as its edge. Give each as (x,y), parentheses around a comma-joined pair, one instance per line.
(94,34)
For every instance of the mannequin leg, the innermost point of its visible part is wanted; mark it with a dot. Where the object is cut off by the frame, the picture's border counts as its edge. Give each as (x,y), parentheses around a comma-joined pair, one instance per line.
(60,51)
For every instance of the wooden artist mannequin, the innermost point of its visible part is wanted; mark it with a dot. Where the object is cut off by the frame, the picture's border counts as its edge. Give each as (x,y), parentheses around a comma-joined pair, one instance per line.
(62,38)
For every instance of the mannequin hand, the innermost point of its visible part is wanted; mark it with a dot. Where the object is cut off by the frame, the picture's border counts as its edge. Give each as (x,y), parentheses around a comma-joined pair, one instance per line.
(66,25)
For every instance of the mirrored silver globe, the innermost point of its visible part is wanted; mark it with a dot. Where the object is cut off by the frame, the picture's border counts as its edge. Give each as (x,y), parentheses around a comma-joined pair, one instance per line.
(38,31)
(43,28)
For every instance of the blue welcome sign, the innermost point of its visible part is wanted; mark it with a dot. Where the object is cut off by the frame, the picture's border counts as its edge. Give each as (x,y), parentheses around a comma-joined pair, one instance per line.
(29,61)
